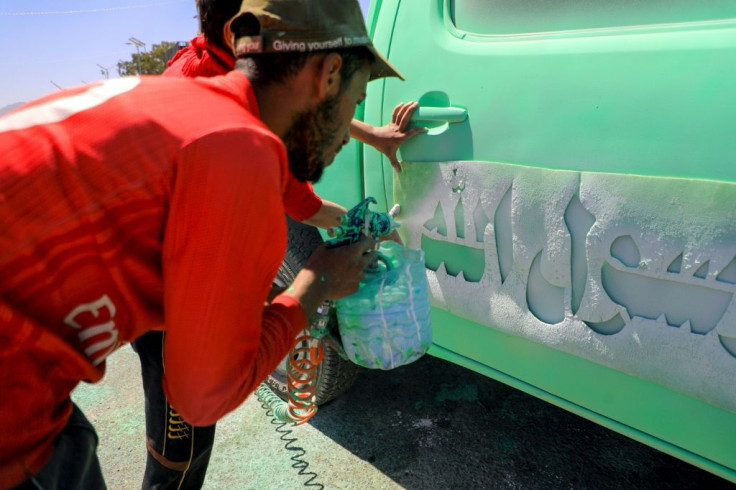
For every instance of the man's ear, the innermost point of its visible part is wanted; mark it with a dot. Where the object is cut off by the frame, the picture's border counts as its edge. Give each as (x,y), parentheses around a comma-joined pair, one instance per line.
(227,36)
(329,76)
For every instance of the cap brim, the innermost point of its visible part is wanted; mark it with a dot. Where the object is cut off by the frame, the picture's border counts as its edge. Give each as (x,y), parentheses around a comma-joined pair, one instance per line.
(381,67)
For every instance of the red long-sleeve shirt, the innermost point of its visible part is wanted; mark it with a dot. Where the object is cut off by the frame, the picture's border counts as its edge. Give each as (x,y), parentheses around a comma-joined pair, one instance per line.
(127,206)
(201,58)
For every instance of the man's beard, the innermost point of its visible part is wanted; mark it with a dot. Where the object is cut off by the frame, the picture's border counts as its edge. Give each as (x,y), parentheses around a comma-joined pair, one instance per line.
(307,139)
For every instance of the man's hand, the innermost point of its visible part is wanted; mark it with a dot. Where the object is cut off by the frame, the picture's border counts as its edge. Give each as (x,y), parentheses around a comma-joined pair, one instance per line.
(391,136)
(387,139)
(341,269)
(331,273)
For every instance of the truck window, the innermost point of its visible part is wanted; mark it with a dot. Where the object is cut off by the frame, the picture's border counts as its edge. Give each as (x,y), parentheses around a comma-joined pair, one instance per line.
(499,17)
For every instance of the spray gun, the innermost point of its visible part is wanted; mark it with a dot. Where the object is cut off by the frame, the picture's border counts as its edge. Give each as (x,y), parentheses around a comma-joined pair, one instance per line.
(308,351)
(357,222)
(362,221)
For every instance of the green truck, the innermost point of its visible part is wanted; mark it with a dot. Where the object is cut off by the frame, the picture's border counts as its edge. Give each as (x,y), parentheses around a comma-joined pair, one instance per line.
(575,198)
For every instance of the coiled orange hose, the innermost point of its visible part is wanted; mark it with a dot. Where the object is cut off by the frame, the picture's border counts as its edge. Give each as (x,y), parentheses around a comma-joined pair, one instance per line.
(304,358)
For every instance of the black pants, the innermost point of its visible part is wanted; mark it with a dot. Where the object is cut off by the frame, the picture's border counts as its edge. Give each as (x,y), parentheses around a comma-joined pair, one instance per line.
(73,464)
(178,453)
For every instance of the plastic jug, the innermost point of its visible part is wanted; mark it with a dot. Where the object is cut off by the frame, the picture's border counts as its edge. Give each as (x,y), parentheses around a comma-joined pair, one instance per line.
(386,324)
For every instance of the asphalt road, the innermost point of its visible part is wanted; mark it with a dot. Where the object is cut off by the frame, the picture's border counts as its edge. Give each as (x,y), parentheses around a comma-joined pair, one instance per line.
(429,425)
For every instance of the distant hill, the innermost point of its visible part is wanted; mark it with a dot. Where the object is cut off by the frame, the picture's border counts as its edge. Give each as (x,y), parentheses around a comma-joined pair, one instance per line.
(10,107)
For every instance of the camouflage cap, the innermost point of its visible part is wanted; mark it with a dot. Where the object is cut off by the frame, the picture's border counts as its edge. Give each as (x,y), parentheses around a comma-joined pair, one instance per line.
(282,26)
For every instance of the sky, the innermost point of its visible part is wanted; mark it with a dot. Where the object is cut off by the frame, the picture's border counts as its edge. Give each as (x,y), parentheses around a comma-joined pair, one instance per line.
(50,43)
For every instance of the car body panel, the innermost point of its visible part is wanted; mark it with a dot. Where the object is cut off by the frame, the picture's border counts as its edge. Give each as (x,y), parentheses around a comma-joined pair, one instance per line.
(575,196)
(591,275)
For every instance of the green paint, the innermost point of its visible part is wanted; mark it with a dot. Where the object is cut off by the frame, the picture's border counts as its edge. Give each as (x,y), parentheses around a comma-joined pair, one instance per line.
(515,17)
(468,260)
(437,222)
(386,322)
(644,411)
(641,91)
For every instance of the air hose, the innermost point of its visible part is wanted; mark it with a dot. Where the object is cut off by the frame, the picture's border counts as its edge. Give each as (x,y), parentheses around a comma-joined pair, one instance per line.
(388,314)
(304,359)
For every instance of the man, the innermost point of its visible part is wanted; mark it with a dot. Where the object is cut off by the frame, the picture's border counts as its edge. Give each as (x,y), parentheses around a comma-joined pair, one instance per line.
(155,203)
(178,454)
(209,55)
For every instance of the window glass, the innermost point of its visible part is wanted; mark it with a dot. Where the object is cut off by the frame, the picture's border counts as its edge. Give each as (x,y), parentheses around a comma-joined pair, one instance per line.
(532,16)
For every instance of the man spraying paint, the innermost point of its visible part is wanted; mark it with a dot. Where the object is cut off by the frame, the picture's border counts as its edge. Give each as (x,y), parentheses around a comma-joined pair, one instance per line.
(129,206)
(183,461)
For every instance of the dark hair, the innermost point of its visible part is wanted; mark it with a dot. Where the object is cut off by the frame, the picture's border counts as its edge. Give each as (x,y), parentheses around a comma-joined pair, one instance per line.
(272,68)
(213,15)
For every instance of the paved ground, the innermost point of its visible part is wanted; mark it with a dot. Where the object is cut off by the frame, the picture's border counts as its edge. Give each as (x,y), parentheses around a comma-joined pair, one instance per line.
(429,425)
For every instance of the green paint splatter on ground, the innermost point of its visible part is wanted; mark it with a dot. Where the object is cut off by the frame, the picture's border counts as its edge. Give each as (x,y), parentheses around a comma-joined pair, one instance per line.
(455,393)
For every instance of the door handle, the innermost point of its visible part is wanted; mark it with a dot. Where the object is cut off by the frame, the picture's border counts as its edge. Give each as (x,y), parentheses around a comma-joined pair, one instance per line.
(444,140)
(440,114)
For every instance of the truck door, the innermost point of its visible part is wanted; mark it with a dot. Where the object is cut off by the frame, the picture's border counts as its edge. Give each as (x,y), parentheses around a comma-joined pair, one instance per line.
(575,198)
